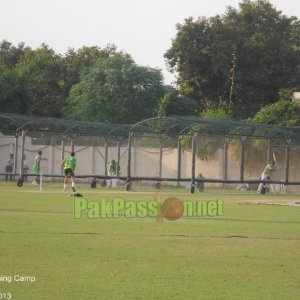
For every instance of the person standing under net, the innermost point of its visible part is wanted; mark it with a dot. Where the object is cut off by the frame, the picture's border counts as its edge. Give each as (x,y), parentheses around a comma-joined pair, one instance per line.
(266,175)
(69,165)
(37,167)
(113,168)
(9,168)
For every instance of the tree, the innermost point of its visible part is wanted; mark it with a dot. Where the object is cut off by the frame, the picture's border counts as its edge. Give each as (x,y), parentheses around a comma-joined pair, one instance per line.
(13,93)
(13,96)
(281,113)
(285,112)
(75,61)
(115,90)
(208,144)
(174,104)
(242,58)
(42,71)
(10,55)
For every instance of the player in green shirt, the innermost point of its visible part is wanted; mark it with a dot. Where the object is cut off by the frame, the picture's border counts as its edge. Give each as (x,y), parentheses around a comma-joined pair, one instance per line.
(69,164)
(37,167)
(113,170)
(266,175)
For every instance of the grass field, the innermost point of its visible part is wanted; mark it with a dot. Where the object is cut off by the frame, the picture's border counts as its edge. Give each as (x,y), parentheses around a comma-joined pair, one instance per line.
(251,252)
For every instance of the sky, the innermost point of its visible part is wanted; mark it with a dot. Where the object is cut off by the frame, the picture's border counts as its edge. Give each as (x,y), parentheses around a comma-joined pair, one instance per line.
(142,28)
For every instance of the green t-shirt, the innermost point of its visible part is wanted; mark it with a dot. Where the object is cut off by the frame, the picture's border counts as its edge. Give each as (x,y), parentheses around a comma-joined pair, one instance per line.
(267,170)
(112,167)
(69,162)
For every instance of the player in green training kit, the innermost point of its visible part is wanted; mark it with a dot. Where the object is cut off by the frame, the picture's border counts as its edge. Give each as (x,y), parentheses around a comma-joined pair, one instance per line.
(69,164)
(37,167)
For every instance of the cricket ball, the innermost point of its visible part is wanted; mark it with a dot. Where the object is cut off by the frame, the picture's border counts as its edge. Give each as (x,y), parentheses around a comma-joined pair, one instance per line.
(172,209)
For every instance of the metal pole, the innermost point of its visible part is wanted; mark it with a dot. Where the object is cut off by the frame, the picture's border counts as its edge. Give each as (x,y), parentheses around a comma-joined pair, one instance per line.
(269,154)
(52,155)
(22,152)
(242,158)
(287,162)
(225,161)
(118,158)
(158,184)
(178,161)
(72,143)
(93,159)
(160,158)
(62,154)
(105,155)
(16,152)
(193,162)
(128,183)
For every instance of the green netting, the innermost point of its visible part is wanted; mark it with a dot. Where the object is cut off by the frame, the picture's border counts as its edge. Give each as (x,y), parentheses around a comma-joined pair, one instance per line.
(167,126)
(62,126)
(235,128)
(172,150)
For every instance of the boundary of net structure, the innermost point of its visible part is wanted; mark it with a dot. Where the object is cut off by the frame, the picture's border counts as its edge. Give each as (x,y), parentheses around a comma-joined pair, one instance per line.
(161,127)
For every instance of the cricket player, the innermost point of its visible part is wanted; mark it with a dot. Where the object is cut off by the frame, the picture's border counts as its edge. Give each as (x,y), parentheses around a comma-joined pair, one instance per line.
(69,165)
(37,167)
(266,175)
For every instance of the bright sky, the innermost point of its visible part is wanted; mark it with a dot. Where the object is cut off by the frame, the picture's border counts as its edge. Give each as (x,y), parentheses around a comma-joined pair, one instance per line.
(141,28)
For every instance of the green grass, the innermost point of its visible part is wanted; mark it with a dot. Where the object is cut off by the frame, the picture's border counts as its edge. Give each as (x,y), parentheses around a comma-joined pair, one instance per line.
(252,252)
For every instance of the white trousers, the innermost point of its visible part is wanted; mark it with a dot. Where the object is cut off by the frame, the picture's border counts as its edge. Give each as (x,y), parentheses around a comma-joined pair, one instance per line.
(264,177)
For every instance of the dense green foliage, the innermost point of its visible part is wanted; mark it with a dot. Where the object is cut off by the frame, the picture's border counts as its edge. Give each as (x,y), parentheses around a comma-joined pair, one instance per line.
(115,90)
(174,104)
(91,83)
(285,112)
(42,73)
(242,58)
(13,96)
(231,66)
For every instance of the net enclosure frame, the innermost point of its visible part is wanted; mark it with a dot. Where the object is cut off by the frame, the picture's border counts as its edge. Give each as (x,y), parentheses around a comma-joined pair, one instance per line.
(22,126)
(162,128)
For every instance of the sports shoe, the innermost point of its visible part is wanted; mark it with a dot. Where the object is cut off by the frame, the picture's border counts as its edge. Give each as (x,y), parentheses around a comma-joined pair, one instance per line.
(73,189)
(64,189)
(34,183)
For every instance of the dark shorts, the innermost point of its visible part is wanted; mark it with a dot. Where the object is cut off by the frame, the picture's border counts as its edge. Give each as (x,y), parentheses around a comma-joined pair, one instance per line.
(69,172)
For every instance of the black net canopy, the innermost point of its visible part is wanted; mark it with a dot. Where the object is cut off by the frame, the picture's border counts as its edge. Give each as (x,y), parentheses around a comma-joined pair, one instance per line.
(172,125)
(185,125)
(15,123)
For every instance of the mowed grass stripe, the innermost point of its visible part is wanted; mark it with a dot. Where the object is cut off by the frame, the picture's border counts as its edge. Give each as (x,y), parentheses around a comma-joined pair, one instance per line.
(249,253)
